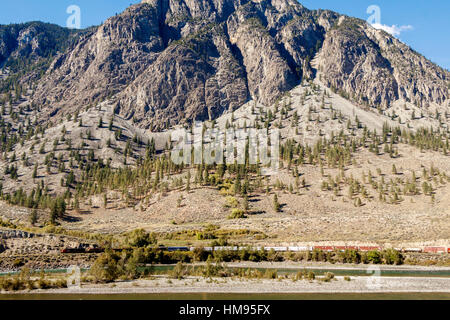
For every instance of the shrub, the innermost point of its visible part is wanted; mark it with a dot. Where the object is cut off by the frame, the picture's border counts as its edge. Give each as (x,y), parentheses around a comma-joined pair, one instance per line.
(199,254)
(23,281)
(105,268)
(140,238)
(271,274)
(237,214)
(179,271)
(231,202)
(328,276)
(391,256)
(374,257)
(310,275)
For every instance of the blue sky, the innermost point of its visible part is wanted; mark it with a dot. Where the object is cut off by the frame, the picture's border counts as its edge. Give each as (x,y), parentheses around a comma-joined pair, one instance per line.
(429,21)
(426,24)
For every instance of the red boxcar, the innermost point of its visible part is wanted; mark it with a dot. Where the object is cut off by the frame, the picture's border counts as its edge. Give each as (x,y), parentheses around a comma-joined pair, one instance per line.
(343,248)
(370,248)
(434,249)
(324,248)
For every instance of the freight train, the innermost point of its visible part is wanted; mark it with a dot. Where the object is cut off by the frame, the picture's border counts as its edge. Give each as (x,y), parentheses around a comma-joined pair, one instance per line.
(276,249)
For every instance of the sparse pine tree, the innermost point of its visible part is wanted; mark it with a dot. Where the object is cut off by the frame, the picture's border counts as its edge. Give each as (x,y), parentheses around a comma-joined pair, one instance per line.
(394,169)
(34,175)
(33,217)
(276,204)
(188,181)
(180,201)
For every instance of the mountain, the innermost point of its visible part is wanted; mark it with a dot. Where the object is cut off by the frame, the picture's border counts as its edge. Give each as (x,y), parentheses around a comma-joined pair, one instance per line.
(164,62)
(86,119)
(27,49)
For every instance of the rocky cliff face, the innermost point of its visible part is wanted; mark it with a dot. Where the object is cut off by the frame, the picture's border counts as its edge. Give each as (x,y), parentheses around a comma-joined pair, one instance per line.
(103,62)
(373,68)
(28,48)
(164,62)
(32,40)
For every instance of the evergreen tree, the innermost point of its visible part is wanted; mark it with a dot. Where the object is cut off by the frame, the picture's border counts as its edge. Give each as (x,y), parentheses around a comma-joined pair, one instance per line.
(276,204)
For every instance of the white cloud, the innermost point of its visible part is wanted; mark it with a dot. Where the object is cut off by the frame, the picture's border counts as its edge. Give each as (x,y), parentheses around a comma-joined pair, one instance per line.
(394,29)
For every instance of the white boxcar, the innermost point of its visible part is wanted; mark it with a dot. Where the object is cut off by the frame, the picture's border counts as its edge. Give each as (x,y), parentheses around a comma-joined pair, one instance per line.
(297,249)
(278,249)
(226,248)
(413,249)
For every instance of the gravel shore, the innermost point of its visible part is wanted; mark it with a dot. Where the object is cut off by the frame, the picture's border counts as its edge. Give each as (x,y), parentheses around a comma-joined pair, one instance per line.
(357,284)
(224,285)
(329,266)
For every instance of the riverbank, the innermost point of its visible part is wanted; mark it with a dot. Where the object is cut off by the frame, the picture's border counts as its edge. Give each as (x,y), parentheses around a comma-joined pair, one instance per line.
(330,266)
(290,266)
(189,285)
(283,279)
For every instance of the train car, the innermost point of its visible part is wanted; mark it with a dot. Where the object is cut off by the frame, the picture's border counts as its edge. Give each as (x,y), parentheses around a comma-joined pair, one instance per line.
(95,250)
(276,249)
(299,249)
(172,249)
(343,248)
(324,248)
(434,250)
(249,248)
(209,249)
(73,250)
(412,250)
(226,248)
(370,248)
(448,250)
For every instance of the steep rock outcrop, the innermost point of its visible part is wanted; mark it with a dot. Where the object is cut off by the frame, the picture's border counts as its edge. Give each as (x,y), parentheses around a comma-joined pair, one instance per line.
(197,78)
(164,62)
(372,68)
(103,62)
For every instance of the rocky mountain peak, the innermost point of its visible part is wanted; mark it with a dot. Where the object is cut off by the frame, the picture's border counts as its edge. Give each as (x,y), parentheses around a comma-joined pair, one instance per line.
(164,62)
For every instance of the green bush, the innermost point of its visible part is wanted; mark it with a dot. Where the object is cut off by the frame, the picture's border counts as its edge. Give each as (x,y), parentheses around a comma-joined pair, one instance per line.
(374,257)
(232,202)
(24,281)
(237,214)
(271,274)
(105,268)
(179,271)
(139,238)
(391,256)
